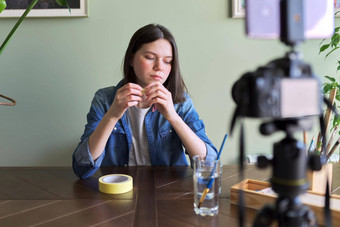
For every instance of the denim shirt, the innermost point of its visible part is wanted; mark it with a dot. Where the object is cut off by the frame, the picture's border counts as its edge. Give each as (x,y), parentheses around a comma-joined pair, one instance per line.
(165,146)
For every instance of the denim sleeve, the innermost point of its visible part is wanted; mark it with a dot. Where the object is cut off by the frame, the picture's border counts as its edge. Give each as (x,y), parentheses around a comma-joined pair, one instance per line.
(83,164)
(191,118)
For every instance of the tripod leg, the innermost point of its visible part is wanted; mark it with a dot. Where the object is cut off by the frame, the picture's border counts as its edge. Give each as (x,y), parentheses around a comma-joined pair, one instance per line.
(265,217)
(301,217)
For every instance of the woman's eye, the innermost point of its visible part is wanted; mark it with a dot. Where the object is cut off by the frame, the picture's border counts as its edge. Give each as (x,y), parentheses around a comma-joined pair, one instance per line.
(149,57)
(168,61)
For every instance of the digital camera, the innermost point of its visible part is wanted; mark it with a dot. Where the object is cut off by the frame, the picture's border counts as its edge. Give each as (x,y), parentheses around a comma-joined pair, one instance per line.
(284,88)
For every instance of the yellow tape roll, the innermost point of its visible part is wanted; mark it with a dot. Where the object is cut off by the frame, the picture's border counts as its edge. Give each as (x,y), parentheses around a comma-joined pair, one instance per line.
(115,183)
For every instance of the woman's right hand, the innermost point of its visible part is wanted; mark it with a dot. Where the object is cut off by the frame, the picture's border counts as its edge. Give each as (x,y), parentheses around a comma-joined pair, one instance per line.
(128,95)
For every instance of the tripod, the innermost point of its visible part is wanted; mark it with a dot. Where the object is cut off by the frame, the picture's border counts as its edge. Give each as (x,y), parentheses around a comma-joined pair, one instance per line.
(290,163)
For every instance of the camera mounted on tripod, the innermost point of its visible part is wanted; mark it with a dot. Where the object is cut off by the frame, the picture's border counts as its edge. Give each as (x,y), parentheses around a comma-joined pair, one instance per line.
(288,94)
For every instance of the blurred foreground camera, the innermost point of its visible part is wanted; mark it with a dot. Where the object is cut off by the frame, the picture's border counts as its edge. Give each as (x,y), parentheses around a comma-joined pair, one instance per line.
(288,94)
(283,88)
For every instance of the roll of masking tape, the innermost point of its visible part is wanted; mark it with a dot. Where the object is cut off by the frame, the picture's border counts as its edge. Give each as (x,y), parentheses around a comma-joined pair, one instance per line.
(115,183)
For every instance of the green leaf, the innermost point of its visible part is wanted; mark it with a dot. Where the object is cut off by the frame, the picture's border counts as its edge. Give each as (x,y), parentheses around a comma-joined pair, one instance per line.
(336,120)
(3,5)
(324,47)
(331,78)
(335,40)
(327,88)
(63,3)
(332,51)
(336,29)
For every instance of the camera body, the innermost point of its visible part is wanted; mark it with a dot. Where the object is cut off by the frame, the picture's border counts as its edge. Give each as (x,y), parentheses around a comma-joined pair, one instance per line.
(284,88)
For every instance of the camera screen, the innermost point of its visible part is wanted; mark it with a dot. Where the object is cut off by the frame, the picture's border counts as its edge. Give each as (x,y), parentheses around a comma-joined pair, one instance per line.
(300,97)
(263,19)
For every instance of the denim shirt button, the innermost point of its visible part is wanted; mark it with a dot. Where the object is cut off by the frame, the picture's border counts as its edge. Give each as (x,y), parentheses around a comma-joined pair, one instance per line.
(115,128)
(170,130)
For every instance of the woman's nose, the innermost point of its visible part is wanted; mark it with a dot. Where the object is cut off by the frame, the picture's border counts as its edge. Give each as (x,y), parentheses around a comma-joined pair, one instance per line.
(158,65)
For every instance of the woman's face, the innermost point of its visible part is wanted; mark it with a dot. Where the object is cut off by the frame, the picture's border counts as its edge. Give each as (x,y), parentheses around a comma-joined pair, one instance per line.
(152,62)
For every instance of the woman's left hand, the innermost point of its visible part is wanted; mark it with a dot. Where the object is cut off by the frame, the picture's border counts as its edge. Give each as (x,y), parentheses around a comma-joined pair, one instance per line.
(158,95)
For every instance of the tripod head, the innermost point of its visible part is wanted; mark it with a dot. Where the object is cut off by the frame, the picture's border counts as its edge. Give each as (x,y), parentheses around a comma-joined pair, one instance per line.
(290,159)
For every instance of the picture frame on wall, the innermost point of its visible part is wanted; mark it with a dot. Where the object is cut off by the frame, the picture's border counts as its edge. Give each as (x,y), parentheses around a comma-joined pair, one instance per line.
(45,8)
(337,8)
(238,8)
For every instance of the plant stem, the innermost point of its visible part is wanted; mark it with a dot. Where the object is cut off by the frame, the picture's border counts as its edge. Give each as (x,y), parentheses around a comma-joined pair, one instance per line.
(329,111)
(9,36)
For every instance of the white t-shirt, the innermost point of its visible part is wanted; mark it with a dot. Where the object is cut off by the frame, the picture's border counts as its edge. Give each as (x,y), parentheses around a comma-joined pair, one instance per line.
(139,154)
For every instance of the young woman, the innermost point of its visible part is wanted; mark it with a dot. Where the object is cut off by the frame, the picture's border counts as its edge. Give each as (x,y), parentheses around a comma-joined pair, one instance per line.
(147,118)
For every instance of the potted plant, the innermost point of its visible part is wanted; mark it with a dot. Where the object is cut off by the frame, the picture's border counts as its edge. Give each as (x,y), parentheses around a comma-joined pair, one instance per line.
(3,5)
(331,87)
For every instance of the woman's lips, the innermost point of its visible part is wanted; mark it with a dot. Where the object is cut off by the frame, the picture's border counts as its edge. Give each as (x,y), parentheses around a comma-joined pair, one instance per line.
(156,77)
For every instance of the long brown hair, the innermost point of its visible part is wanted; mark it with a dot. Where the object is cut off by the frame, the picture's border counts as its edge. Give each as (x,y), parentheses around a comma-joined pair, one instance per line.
(147,34)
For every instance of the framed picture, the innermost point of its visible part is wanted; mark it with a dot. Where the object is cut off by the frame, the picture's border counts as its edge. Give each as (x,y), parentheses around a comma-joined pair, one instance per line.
(45,8)
(337,8)
(238,8)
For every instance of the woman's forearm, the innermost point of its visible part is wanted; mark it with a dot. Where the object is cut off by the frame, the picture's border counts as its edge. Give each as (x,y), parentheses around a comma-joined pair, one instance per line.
(98,139)
(193,144)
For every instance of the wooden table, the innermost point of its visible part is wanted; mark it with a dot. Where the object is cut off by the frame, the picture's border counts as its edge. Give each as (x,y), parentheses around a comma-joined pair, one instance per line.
(161,196)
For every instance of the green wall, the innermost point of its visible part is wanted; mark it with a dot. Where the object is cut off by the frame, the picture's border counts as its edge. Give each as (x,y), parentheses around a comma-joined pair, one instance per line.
(53,66)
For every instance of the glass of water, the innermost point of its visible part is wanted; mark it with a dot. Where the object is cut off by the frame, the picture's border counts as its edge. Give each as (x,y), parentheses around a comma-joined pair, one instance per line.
(207,185)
